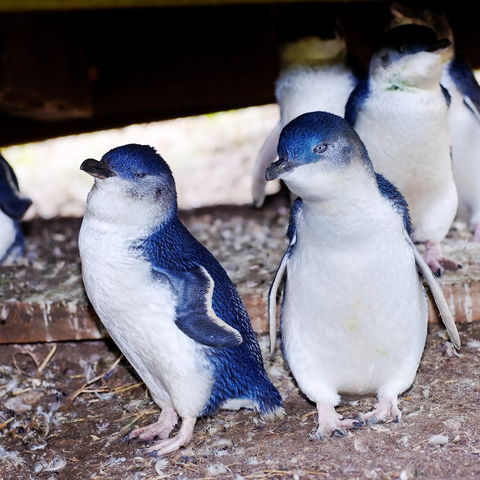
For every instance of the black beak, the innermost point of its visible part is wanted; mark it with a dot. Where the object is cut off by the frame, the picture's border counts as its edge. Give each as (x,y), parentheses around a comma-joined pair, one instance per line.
(277,168)
(96,169)
(440,45)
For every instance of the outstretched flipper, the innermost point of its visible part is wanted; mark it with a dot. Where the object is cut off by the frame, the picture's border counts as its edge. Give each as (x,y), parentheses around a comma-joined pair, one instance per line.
(195,316)
(438,296)
(266,156)
(465,81)
(272,300)
(272,294)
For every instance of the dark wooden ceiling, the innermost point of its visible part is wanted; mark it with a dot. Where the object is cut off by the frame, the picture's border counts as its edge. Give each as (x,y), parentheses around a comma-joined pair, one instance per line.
(79,69)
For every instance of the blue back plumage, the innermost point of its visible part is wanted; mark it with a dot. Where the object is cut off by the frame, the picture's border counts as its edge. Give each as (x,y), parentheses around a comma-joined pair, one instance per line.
(464,79)
(393,195)
(292,223)
(239,371)
(11,202)
(356,100)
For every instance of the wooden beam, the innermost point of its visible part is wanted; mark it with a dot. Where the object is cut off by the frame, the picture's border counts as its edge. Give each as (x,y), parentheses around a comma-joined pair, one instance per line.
(44,301)
(62,5)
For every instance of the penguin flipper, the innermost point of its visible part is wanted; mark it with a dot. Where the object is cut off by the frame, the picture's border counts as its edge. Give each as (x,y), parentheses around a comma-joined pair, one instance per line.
(272,300)
(474,107)
(266,156)
(438,296)
(13,205)
(464,78)
(11,202)
(195,316)
(272,294)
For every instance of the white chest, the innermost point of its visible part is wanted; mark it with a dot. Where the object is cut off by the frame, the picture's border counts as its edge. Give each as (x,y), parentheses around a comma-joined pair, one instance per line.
(406,135)
(139,314)
(407,138)
(301,90)
(354,313)
(7,233)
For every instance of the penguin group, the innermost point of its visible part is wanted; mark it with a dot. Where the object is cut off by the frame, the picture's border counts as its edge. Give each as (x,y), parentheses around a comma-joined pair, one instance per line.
(378,163)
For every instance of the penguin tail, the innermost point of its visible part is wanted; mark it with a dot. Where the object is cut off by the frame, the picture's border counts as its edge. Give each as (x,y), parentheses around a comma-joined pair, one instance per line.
(269,401)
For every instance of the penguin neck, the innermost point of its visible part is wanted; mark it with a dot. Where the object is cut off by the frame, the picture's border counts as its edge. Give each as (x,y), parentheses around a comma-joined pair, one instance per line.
(112,211)
(349,213)
(421,72)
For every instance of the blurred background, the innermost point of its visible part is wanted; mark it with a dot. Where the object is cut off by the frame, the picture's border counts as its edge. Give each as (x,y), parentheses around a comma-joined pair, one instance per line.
(211,157)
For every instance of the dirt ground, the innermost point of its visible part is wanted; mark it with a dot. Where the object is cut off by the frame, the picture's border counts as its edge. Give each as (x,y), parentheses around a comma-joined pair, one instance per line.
(46,433)
(53,426)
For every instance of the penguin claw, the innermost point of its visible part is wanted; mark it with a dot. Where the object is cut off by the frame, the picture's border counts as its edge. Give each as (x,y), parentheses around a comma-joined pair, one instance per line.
(339,433)
(436,261)
(126,438)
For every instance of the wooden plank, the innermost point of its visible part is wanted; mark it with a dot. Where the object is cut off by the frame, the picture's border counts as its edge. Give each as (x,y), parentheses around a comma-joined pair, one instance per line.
(65,72)
(44,300)
(55,5)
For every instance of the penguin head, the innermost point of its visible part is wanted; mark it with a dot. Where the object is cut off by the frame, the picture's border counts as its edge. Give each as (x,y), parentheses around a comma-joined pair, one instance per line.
(310,34)
(318,151)
(404,14)
(409,56)
(132,179)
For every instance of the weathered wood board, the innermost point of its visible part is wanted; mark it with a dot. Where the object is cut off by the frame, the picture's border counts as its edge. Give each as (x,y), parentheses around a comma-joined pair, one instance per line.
(42,299)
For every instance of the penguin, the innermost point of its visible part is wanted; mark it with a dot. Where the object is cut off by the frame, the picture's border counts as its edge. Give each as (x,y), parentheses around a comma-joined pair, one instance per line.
(165,300)
(400,112)
(315,74)
(354,311)
(464,113)
(13,206)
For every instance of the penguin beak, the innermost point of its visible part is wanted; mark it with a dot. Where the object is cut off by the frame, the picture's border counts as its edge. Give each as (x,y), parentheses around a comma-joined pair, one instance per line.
(96,169)
(439,45)
(277,168)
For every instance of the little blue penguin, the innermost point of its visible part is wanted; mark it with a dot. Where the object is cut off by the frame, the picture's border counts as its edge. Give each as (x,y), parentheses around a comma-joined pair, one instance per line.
(165,300)
(463,117)
(400,111)
(354,311)
(315,75)
(12,208)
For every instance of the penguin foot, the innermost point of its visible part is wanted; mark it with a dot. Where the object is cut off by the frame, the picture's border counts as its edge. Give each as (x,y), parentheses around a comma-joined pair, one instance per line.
(169,445)
(159,429)
(386,410)
(436,261)
(331,423)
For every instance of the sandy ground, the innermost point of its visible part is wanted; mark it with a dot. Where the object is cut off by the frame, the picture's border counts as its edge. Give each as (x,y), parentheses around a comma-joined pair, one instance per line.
(46,433)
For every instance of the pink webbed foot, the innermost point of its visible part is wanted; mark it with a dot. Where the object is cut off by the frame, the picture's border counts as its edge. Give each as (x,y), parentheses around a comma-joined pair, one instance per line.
(332,423)
(476,234)
(436,261)
(386,410)
(183,436)
(159,429)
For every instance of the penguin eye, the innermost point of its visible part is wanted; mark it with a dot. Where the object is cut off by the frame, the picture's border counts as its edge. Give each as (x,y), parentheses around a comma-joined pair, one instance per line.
(320,148)
(402,49)
(139,175)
